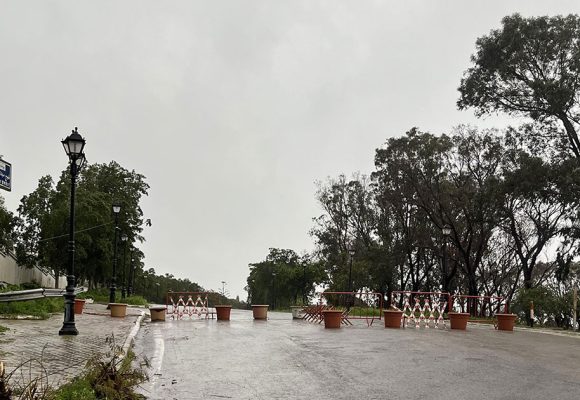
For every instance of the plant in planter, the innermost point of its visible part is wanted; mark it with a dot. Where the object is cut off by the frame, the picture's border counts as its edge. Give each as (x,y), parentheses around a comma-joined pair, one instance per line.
(118,310)
(222,312)
(393,317)
(332,318)
(79,305)
(458,320)
(260,311)
(505,322)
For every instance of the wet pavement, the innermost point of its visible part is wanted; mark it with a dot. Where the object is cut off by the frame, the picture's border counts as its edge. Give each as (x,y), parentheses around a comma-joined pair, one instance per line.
(291,359)
(37,345)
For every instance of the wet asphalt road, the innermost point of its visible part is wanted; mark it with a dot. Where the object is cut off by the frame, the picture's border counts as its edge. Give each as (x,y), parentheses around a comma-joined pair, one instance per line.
(285,359)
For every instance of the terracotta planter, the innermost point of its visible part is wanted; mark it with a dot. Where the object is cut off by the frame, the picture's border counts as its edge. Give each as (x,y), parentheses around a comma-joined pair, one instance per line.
(393,318)
(260,311)
(297,312)
(458,320)
(118,310)
(79,305)
(223,312)
(332,318)
(157,313)
(505,322)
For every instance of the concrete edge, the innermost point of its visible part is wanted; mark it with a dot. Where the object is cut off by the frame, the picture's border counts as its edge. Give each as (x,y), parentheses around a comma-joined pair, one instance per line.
(129,341)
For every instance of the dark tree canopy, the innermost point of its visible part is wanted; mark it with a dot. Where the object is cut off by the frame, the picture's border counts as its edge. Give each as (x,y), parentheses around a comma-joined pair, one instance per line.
(530,68)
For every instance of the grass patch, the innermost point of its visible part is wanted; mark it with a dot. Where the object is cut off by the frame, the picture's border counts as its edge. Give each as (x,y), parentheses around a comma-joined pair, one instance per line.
(102,296)
(40,308)
(3,329)
(136,301)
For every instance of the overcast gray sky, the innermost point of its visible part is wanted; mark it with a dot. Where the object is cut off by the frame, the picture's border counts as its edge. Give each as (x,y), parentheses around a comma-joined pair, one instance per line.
(232,109)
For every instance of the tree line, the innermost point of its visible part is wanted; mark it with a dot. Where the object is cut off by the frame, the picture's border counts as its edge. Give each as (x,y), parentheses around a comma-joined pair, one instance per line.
(37,235)
(509,198)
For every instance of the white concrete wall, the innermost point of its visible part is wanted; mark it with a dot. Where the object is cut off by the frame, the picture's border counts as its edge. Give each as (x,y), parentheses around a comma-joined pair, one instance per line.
(14,274)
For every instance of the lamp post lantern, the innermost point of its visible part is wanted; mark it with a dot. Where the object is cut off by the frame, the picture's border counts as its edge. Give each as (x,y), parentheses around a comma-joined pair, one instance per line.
(124,283)
(116,210)
(73,145)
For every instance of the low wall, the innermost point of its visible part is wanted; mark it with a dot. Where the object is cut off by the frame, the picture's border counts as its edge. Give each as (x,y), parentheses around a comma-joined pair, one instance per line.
(11,272)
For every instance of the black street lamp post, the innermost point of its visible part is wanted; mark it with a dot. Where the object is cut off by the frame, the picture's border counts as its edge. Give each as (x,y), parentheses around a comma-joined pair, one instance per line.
(124,283)
(116,210)
(73,146)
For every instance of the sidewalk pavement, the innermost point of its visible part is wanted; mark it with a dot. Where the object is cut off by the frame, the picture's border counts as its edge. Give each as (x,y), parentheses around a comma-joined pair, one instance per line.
(63,357)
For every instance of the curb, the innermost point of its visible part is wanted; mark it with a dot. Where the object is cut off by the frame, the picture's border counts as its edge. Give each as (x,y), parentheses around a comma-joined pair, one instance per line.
(129,341)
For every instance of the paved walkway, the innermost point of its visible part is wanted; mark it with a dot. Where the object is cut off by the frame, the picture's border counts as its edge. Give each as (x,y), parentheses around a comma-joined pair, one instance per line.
(61,357)
(285,359)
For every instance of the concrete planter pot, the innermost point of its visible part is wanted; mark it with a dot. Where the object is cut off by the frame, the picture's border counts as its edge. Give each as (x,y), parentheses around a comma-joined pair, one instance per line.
(223,312)
(393,318)
(505,322)
(458,320)
(157,313)
(118,310)
(260,311)
(332,319)
(79,305)
(297,312)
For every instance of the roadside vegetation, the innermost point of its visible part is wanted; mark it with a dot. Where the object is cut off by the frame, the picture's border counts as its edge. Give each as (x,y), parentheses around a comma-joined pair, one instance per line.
(106,376)
(474,211)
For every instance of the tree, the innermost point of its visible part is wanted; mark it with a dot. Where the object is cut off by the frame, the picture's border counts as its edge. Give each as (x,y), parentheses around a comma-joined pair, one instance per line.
(282,277)
(530,67)
(42,223)
(6,228)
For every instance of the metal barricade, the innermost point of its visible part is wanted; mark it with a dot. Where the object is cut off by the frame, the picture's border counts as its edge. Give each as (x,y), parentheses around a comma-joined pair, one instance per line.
(422,308)
(365,306)
(190,305)
(479,306)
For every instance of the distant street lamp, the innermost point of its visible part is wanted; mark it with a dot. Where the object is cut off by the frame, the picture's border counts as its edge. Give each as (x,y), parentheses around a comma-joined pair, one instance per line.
(124,283)
(351,252)
(130,281)
(116,210)
(274,290)
(73,145)
(350,302)
(157,284)
(304,284)
(446,231)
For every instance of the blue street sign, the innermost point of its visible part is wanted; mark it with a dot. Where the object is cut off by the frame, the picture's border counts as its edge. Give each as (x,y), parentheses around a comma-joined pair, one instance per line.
(5,175)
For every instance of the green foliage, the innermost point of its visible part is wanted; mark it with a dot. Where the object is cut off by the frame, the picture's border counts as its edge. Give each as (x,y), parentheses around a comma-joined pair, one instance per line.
(3,329)
(550,308)
(113,377)
(136,300)
(40,308)
(528,67)
(42,225)
(77,389)
(283,278)
(7,223)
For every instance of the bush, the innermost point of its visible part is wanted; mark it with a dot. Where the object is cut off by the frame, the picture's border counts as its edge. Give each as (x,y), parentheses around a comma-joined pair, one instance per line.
(550,308)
